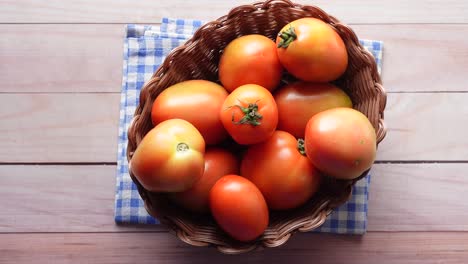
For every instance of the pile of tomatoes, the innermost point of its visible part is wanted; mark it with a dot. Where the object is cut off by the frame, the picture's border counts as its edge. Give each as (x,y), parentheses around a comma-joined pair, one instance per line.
(247,145)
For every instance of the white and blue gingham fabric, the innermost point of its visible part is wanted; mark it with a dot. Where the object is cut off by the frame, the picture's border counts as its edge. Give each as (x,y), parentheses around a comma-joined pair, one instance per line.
(145,48)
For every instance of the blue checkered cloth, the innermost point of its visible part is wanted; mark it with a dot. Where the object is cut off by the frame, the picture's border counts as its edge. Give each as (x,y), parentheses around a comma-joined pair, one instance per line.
(145,48)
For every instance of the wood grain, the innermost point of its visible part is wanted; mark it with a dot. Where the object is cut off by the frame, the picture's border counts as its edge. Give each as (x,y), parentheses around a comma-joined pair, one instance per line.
(421,58)
(84,127)
(88,58)
(61,58)
(382,248)
(124,11)
(418,197)
(403,197)
(55,198)
(426,126)
(58,127)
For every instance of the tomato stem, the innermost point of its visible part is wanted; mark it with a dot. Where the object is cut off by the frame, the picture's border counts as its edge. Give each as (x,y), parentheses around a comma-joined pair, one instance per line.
(287,37)
(181,147)
(251,115)
(301,146)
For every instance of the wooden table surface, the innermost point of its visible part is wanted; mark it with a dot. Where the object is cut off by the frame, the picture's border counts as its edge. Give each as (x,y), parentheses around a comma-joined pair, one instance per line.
(60,73)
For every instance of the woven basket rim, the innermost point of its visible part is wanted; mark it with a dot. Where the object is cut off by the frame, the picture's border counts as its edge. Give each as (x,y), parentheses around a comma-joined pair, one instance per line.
(177,226)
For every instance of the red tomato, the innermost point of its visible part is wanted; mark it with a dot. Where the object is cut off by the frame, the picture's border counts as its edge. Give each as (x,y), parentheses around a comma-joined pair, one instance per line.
(218,162)
(170,157)
(312,50)
(239,207)
(282,172)
(341,142)
(249,114)
(196,101)
(299,101)
(250,59)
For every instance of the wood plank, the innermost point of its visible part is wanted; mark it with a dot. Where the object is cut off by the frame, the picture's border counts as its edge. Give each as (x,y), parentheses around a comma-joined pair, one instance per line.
(421,58)
(425,126)
(59,199)
(59,127)
(84,127)
(106,11)
(412,247)
(88,58)
(61,58)
(418,197)
(403,197)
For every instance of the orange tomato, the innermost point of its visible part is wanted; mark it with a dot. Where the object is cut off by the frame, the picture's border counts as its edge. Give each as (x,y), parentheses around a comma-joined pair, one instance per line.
(282,172)
(299,101)
(196,101)
(341,142)
(239,207)
(250,59)
(249,114)
(312,50)
(218,163)
(170,157)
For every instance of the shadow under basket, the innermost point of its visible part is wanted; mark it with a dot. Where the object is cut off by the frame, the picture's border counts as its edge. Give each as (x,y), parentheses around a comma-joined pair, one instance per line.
(198,59)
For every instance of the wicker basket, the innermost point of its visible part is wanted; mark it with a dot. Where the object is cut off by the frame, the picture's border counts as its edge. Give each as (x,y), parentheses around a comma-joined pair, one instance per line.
(198,59)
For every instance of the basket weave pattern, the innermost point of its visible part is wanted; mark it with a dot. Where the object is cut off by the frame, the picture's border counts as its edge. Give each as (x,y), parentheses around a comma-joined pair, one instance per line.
(198,59)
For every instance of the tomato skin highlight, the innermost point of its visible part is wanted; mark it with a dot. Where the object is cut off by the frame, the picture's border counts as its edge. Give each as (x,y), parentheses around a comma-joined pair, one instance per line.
(317,54)
(286,178)
(196,101)
(341,142)
(299,101)
(239,207)
(170,157)
(262,105)
(250,59)
(218,163)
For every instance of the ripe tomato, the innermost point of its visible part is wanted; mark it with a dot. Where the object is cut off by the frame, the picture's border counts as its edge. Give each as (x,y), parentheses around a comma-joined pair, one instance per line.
(196,101)
(282,172)
(341,142)
(250,59)
(311,50)
(218,162)
(239,208)
(249,114)
(299,101)
(170,157)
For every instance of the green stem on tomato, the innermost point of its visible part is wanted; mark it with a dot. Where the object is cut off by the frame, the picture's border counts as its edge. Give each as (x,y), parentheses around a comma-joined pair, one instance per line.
(287,37)
(251,115)
(301,146)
